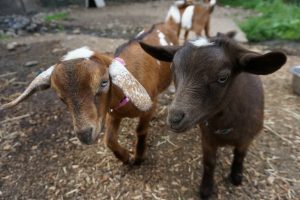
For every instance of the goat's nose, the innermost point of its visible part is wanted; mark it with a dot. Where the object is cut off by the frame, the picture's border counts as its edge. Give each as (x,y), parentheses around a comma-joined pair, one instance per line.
(176,117)
(85,135)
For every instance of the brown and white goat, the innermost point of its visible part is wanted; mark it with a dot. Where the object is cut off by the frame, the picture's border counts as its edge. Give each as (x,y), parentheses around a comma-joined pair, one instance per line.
(192,16)
(218,88)
(93,84)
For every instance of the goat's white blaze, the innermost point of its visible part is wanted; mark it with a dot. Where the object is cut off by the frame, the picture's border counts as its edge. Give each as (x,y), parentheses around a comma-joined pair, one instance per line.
(187,17)
(213,2)
(122,78)
(174,14)
(162,38)
(201,42)
(83,52)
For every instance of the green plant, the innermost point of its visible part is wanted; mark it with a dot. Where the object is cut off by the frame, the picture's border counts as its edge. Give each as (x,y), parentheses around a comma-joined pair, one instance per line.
(56,16)
(276,20)
(3,36)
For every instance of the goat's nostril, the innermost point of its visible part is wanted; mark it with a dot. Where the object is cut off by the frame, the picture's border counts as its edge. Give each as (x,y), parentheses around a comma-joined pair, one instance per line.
(177,117)
(85,135)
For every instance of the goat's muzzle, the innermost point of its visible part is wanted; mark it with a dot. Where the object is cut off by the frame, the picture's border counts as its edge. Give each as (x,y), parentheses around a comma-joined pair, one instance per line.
(176,120)
(86,136)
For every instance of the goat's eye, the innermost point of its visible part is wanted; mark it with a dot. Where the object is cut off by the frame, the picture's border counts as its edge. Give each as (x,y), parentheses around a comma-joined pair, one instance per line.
(104,83)
(223,78)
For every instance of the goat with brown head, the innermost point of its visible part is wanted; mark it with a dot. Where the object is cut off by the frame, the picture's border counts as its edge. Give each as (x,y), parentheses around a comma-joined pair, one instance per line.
(83,80)
(94,85)
(218,88)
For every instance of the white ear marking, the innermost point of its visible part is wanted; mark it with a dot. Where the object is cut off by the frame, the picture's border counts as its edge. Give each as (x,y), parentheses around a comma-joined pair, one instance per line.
(140,33)
(122,78)
(83,52)
(42,80)
(187,17)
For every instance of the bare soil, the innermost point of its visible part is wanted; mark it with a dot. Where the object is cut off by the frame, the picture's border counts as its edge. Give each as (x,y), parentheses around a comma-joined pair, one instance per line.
(41,158)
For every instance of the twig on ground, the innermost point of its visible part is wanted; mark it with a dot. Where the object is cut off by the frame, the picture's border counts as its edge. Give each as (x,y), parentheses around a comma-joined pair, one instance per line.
(7,74)
(277,134)
(15,118)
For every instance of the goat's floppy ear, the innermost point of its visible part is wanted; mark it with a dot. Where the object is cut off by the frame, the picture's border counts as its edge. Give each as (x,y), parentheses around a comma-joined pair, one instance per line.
(41,82)
(163,53)
(262,64)
(122,78)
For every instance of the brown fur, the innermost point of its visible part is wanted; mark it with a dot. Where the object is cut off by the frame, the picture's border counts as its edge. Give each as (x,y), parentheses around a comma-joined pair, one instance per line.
(153,76)
(77,83)
(217,87)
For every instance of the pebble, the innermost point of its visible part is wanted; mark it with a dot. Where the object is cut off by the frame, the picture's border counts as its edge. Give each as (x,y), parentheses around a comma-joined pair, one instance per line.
(31,63)
(77,31)
(12,46)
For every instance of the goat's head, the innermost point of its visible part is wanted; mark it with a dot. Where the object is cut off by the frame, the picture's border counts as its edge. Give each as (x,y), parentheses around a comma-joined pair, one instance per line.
(82,80)
(204,72)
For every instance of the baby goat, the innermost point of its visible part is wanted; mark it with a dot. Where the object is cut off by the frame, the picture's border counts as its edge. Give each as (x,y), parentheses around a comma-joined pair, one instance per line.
(218,88)
(92,84)
(192,16)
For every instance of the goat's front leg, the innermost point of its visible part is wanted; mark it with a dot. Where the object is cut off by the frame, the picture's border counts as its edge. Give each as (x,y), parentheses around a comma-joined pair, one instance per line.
(186,34)
(141,134)
(111,139)
(236,174)
(207,28)
(209,163)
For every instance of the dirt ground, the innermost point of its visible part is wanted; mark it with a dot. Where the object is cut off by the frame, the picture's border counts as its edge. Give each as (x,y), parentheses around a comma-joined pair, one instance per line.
(40,157)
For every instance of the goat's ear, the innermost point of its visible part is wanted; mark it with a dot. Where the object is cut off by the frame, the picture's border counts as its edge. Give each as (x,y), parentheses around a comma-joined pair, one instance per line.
(163,53)
(230,34)
(262,64)
(41,82)
(131,87)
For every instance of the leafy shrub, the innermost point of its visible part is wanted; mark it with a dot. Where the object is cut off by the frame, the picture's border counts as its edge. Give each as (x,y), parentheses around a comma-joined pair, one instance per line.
(276,20)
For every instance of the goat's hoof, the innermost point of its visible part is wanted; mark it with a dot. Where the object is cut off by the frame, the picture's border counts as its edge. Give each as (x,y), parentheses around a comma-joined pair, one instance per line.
(138,161)
(236,178)
(206,192)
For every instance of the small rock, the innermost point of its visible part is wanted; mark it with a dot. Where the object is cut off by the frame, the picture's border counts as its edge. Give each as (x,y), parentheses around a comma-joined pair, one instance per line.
(77,31)
(270,180)
(12,46)
(57,50)
(7,147)
(31,63)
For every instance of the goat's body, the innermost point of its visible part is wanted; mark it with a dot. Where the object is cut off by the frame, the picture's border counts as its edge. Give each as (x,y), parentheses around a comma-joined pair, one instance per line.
(241,119)
(154,75)
(195,18)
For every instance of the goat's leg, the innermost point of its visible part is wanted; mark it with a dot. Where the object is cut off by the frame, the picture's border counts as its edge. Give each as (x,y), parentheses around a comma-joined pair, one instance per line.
(236,174)
(111,139)
(206,29)
(209,163)
(186,34)
(141,134)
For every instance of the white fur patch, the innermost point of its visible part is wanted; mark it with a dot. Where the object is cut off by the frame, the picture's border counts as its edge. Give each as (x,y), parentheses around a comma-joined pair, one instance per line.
(187,17)
(158,62)
(162,39)
(47,73)
(212,2)
(83,52)
(122,78)
(201,42)
(174,14)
